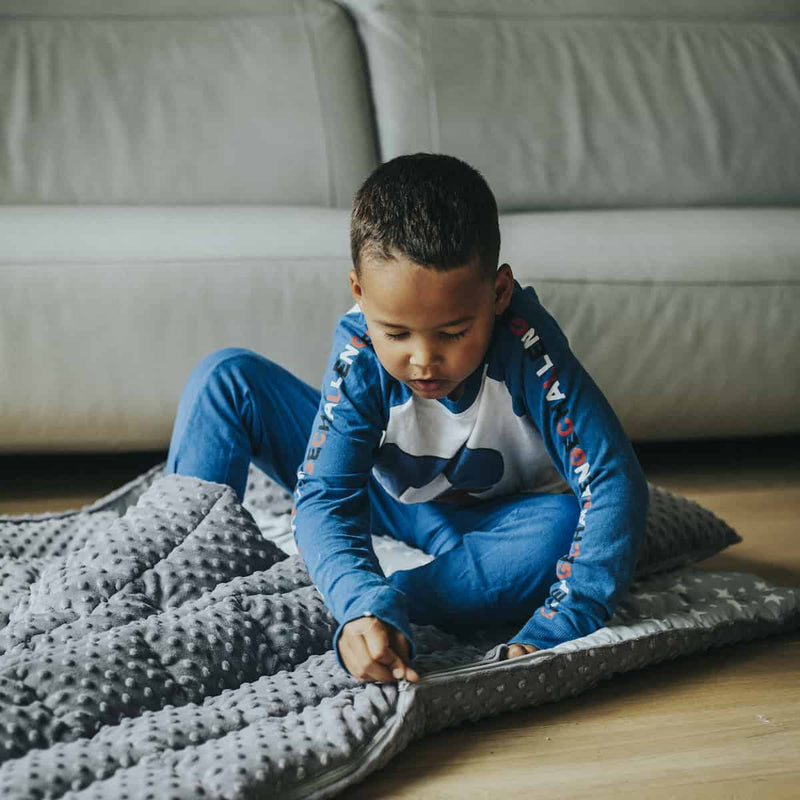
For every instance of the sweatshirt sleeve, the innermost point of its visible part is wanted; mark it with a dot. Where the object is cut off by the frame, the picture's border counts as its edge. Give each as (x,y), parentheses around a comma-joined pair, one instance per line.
(590,449)
(330,518)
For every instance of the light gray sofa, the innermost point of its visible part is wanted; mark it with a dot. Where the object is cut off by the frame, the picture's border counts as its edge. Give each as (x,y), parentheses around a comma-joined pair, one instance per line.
(176,176)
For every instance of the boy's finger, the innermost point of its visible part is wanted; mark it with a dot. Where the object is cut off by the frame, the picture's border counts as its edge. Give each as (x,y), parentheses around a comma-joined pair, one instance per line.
(380,648)
(400,645)
(362,666)
(378,672)
(404,668)
(377,639)
(400,671)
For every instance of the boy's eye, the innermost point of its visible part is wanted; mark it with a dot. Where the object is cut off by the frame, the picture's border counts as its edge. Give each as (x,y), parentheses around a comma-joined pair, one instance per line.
(453,336)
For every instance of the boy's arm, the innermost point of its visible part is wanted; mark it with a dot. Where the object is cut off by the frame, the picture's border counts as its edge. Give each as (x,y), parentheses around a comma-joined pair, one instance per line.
(589,447)
(330,519)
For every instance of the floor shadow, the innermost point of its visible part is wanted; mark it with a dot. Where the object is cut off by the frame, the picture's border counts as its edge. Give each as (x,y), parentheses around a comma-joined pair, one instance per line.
(44,475)
(739,461)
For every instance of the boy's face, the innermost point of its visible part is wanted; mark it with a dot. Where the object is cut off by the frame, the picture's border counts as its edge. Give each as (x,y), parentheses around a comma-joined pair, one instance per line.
(430,329)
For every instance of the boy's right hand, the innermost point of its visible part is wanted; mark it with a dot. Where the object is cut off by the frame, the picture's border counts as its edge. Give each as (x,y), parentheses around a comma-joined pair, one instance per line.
(373,650)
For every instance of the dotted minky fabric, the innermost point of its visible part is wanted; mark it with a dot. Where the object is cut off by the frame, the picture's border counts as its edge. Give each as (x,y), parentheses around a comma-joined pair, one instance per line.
(161,644)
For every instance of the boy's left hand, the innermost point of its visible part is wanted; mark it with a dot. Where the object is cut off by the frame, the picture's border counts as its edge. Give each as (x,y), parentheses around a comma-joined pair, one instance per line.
(515,650)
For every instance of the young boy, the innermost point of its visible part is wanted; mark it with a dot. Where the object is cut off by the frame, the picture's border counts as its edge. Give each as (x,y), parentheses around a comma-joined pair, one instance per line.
(454,417)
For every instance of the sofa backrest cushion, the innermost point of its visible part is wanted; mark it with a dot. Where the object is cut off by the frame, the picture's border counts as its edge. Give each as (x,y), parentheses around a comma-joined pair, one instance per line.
(595,103)
(182,101)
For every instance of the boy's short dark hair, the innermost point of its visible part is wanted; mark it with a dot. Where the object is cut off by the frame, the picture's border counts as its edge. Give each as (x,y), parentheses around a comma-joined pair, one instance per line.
(435,209)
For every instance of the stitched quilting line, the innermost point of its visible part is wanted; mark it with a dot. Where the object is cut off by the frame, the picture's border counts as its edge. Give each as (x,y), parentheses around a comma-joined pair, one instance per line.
(166,668)
(238,727)
(29,640)
(158,664)
(678,632)
(225,725)
(636,642)
(23,658)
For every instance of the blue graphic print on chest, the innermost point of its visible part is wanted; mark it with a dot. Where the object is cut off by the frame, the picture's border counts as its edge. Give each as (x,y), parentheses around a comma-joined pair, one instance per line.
(468,470)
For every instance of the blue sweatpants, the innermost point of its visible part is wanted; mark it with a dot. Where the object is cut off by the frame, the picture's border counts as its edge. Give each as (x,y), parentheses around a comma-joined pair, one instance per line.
(494,561)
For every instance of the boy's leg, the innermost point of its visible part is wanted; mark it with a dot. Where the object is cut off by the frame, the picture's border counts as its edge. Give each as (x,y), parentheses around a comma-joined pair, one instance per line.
(496,561)
(239,406)
(415,524)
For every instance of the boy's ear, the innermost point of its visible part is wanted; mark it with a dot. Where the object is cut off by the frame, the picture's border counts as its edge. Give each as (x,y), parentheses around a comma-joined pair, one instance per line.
(503,287)
(355,285)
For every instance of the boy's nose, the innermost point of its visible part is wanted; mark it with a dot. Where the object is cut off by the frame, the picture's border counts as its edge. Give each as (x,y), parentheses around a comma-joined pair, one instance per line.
(422,357)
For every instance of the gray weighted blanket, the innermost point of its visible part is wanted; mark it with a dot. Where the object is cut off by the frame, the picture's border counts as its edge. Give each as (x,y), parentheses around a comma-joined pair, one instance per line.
(166,642)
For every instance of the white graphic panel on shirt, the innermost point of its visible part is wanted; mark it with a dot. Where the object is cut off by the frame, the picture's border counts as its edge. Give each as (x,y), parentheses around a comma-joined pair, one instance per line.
(430,452)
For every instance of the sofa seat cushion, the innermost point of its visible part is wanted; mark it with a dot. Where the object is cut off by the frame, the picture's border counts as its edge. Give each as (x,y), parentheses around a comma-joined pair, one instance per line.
(106,311)
(685,318)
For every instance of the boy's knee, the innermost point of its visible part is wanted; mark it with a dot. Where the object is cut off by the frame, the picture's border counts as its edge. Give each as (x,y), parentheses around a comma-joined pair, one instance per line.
(224,358)
(228,364)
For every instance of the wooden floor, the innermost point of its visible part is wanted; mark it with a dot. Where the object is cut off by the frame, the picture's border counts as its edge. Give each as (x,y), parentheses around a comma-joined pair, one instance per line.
(719,724)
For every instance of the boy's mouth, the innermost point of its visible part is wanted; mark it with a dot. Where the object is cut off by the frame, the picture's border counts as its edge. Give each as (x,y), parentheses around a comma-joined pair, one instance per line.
(429,386)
